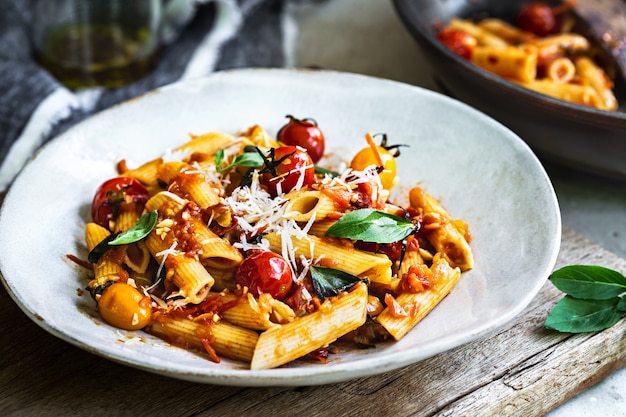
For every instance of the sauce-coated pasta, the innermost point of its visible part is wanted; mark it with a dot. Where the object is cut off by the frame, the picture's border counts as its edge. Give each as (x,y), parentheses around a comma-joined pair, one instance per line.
(241,248)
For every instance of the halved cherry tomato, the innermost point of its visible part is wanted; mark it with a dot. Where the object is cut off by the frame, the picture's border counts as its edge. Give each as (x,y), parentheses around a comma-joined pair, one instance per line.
(367,157)
(458,41)
(285,167)
(538,18)
(304,133)
(265,273)
(114,192)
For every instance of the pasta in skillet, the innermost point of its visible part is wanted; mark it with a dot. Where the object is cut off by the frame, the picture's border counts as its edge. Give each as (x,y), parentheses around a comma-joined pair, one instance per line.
(551,60)
(240,247)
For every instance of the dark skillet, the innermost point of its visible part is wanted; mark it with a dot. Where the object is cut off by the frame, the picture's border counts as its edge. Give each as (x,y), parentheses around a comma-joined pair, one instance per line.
(578,136)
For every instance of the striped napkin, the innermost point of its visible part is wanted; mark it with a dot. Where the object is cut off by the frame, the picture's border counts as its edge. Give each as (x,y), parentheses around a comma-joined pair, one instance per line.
(201,37)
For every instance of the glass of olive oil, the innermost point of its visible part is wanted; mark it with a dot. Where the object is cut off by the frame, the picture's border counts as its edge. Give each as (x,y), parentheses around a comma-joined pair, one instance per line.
(87,43)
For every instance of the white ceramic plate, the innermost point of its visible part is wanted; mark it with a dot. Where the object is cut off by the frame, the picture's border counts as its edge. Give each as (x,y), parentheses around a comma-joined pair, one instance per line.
(481,171)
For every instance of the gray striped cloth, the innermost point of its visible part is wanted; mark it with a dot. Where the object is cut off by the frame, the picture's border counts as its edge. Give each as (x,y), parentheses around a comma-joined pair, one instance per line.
(212,35)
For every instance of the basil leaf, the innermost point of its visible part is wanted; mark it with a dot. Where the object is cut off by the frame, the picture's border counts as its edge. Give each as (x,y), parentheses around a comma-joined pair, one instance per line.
(141,229)
(621,306)
(219,159)
(324,171)
(574,315)
(247,159)
(369,225)
(328,282)
(99,250)
(589,282)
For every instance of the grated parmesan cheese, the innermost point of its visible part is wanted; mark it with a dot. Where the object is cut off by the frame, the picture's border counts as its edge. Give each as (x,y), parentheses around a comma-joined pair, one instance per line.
(179,155)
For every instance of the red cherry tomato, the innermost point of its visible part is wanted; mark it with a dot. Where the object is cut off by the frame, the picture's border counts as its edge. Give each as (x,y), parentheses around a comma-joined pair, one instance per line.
(114,192)
(286,168)
(265,273)
(304,133)
(538,18)
(459,41)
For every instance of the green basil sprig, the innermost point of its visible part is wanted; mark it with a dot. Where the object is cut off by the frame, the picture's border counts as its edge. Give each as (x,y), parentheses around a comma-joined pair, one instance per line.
(325,171)
(250,158)
(140,230)
(328,282)
(594,299)
(369,225)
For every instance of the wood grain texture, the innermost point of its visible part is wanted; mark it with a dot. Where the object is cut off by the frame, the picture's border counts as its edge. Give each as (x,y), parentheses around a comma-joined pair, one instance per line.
(519,370)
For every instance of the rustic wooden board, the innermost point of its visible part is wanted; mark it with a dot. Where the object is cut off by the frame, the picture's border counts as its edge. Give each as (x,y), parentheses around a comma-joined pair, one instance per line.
(521,369)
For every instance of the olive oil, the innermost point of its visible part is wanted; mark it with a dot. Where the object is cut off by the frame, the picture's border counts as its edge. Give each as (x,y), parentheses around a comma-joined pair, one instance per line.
(108,54)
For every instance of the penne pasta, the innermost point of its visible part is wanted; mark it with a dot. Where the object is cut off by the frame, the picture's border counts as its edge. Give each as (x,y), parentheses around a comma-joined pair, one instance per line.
(482,36)
(225,262)
(582,94)
(444,234)
(519,63)
(560,65)
(207,144)
(304,205)
(222,337)
(332,320)
(185,273)
(188,182)
(599,81)
(366,265)
(413,307)
(561,70)
(108,267)
(511,34)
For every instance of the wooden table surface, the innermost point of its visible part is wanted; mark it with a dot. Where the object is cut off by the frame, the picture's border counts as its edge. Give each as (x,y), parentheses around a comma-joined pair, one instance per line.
(521,369)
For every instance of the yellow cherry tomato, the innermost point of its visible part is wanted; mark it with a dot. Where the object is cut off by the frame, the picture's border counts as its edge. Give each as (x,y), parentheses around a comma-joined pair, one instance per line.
(125,307)
(367,157)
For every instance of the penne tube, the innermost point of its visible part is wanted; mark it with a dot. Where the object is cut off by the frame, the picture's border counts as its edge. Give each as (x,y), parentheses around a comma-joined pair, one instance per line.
(327,252)
(251,313)
(441,231)
(575,93)
(215,252)
(336,317)
(561,70)
(483,37)
(554,46)
(137,257)
(109,265)
(304,205)
(224,338)
(186,273)
(188,182)
(319,228)
(411,258)
(208,144)
(598,80)
(224,278)
(511,34)
(126,218)
(257,136)
(416,306)
(168,204)
(513,62)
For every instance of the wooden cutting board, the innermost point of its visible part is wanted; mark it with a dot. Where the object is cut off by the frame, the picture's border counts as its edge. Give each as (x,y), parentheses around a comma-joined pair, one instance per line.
(519,370)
